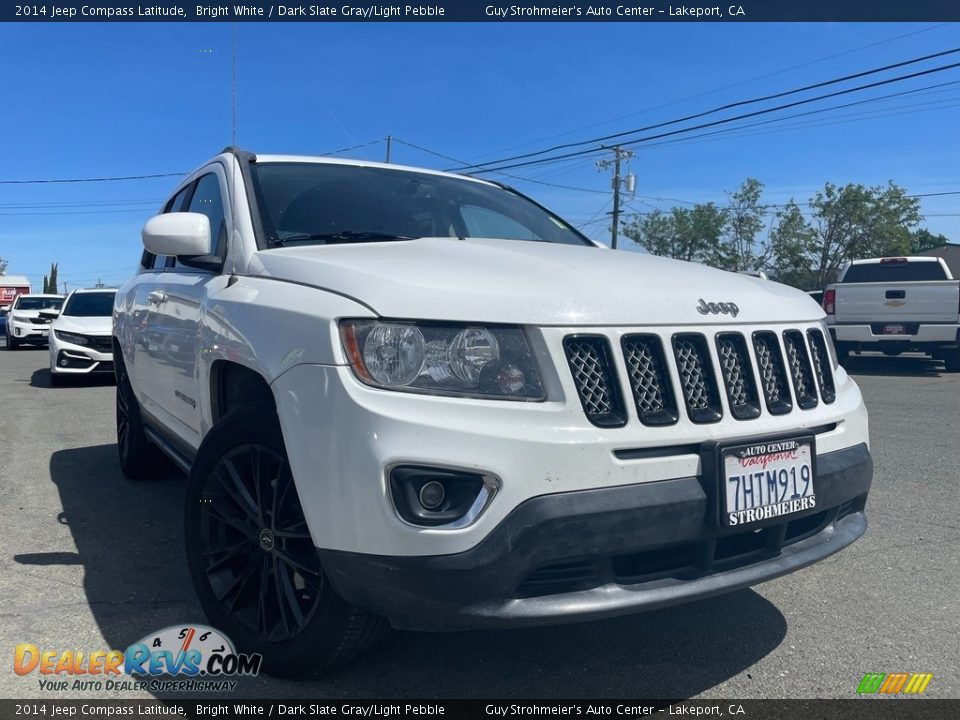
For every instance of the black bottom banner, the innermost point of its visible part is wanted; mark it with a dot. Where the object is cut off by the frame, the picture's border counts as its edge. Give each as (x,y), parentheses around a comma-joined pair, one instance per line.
(862,708)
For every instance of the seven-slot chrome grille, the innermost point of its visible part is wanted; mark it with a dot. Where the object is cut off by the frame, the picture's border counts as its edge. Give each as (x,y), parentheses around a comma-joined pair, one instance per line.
(755,371)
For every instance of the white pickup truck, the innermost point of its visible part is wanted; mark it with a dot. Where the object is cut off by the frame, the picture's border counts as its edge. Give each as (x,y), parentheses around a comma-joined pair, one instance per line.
(408,395)
(895,305)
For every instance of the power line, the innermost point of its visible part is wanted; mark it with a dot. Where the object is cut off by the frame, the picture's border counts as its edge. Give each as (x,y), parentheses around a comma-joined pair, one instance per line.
(815,112)
(352,147)
(84,212)
(519,177)
(89,180)
(714,123)
(721,108)
(725,87)
(95,203)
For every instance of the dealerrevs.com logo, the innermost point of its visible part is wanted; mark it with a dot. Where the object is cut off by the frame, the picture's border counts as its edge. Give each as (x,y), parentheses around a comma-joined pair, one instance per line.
(200,657)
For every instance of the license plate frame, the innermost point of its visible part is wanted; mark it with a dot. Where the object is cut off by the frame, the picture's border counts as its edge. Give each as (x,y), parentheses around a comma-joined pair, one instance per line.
(788,500)
(895,329)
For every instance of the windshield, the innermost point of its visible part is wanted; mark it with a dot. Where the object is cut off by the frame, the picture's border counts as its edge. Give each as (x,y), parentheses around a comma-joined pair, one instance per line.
(38,303)
(98,304)
(329,203)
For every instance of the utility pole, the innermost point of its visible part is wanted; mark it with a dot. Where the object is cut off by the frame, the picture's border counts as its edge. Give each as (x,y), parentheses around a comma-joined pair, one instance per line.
(619,154)
(389,146)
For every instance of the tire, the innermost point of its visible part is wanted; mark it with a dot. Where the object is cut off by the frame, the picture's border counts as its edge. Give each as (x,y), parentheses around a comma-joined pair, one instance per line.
(267,592)
(11,343)
(951,360)
(57,380)
(139,458)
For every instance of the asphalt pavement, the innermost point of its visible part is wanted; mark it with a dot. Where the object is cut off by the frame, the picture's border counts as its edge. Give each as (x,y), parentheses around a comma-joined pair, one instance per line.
(92,561)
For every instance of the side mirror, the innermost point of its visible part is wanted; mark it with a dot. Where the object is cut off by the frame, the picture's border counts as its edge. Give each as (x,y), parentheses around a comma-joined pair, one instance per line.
(4,308)
(49,314)
(185,235)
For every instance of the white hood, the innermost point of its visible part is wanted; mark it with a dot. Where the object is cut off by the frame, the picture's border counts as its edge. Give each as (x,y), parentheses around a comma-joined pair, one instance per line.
(508,281)
(99,325)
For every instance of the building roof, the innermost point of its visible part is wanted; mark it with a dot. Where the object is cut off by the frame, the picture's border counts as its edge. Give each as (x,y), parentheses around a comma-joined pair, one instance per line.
(14,280)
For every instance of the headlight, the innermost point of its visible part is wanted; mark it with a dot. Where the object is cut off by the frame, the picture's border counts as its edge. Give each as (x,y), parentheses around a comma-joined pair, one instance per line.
(442,358)
(71,338)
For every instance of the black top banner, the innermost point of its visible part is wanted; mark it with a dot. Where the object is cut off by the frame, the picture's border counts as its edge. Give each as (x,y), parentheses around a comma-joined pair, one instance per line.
(640,11)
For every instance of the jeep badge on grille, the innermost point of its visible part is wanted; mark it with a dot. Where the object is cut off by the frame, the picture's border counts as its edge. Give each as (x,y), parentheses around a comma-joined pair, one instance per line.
(705,308)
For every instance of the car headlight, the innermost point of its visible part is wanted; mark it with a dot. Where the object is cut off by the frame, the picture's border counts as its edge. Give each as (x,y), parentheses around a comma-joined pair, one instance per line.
(71,338)
(442,358)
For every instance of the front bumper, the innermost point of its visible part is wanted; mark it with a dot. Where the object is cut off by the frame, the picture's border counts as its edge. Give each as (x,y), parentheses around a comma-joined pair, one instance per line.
(606,552)
(27,332)
(70,359)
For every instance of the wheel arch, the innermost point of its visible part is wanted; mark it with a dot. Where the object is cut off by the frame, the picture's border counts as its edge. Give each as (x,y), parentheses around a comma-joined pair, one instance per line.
(233,385)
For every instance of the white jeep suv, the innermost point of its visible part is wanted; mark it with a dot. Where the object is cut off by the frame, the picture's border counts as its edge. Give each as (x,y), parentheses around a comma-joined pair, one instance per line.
(412,397)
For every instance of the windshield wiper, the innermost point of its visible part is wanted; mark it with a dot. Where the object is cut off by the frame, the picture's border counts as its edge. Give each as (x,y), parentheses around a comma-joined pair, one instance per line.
(343,236)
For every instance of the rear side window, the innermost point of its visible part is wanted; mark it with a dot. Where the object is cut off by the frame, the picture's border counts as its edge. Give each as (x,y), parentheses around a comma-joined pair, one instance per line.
(894,272)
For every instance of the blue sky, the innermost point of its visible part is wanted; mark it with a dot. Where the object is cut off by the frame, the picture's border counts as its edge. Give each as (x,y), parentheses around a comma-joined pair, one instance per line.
(92,100)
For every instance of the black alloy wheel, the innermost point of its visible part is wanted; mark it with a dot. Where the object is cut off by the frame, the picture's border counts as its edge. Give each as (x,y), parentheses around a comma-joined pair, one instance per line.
(254,565)
(139,458)
(255,548)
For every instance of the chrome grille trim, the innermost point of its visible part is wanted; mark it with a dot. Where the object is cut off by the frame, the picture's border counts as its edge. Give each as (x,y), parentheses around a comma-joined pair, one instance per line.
(738,376)
(591,365)
(773,374)
(822,366)
(697,380)
(800,371)
(649,379)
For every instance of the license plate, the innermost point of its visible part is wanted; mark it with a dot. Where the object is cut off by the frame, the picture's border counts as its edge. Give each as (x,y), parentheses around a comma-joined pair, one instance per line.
(767,479)
(44,333)
(894,329)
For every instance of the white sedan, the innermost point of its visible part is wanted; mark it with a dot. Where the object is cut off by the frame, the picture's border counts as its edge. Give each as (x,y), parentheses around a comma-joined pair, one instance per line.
(81,337)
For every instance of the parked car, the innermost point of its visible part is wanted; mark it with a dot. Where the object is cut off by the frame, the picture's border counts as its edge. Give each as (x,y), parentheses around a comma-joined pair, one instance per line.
(81,338)
(3,318)
(29,319)
(895,305)
(419,398)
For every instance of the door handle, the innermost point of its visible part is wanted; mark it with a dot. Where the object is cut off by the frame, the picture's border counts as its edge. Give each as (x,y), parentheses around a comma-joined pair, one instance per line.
(896,294)
(156,297)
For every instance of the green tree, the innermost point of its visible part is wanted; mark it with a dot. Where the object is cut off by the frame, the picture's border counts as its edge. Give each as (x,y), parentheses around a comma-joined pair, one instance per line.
(792,243)
(846,223)
(50,283)
(745,220)
(692,234)
(923,239)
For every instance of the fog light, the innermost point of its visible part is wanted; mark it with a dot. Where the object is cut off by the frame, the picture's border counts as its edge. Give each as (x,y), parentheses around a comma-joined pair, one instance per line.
(432,494)
(63,362)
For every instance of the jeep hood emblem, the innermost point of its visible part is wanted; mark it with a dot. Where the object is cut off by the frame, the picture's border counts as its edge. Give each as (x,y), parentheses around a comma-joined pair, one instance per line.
(727,308)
